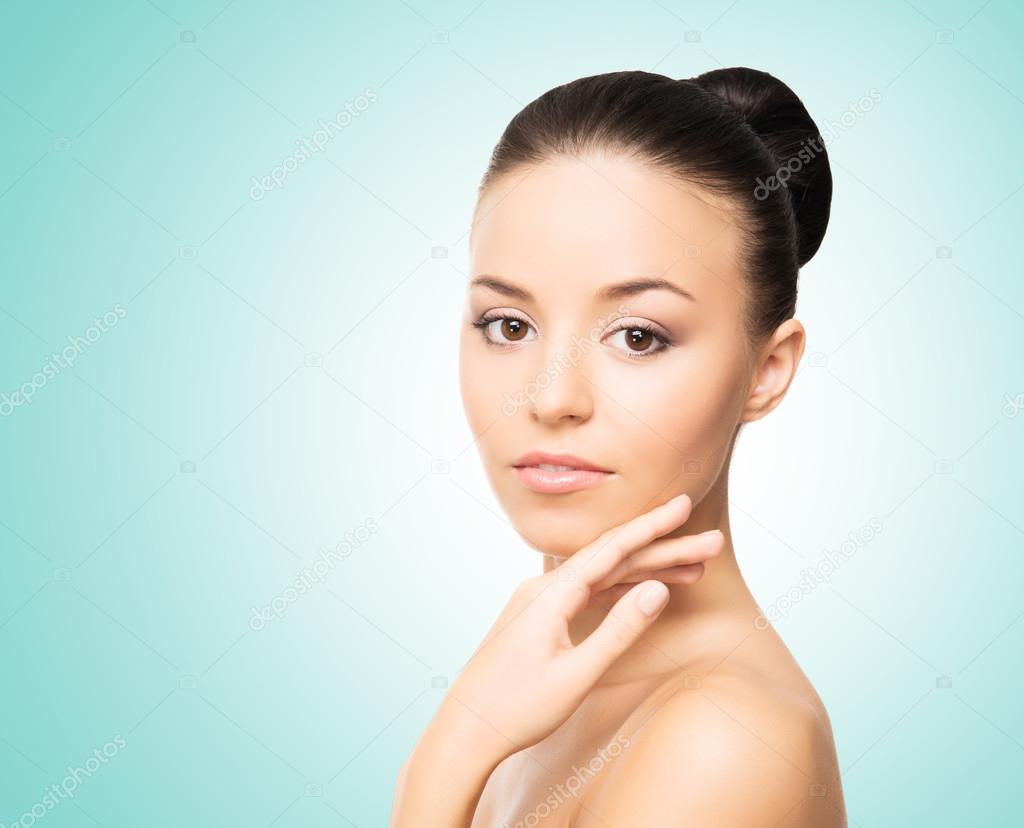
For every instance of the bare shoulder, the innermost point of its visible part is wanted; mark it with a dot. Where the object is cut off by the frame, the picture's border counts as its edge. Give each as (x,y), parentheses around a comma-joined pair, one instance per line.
(732,751)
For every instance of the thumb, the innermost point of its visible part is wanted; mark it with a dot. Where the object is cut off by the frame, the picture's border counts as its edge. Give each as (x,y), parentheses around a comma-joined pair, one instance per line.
(628,620)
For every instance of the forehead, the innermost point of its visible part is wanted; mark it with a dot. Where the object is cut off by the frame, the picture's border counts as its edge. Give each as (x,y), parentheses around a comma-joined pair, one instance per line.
(578,221)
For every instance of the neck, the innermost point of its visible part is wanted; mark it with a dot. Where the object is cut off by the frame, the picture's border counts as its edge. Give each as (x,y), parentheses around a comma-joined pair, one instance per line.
(686,628)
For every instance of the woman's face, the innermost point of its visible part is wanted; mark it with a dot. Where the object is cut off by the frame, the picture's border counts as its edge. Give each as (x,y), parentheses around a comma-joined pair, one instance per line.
(646,382)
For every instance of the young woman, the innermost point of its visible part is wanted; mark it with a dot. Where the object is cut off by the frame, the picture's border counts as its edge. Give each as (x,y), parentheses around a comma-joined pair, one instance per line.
(634,252)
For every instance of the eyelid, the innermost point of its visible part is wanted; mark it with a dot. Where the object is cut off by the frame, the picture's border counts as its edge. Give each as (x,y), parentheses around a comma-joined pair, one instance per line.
(628,323)
(501,313)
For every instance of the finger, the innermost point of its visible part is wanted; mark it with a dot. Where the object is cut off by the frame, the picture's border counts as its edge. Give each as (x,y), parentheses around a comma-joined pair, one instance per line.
(631,616)
(687,574)
(598,559)
(607,597)
(575,590)
(683,574)
(664,553)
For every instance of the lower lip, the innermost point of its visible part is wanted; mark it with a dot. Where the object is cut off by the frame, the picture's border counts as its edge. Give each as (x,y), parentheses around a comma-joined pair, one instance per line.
(559,482)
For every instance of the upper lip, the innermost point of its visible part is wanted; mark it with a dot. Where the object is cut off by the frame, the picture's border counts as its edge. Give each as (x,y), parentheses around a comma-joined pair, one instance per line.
(536,458)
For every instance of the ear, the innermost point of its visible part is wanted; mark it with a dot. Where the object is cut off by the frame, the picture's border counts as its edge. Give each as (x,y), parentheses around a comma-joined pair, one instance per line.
(776,366)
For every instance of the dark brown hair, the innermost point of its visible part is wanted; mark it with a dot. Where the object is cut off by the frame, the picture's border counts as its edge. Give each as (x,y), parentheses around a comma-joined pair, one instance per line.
(738,132)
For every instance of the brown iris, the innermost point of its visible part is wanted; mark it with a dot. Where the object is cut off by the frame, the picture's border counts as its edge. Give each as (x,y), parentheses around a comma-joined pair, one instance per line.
(513,329)
(638,339)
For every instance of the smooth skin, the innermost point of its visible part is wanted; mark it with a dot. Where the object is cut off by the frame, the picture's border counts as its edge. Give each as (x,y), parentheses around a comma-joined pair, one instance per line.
(497,717)
(581,707)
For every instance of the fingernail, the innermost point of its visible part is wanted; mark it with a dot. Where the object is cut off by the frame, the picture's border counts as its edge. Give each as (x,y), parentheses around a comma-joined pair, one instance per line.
(652,597)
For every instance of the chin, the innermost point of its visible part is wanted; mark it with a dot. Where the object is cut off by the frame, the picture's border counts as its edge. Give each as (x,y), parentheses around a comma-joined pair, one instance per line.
(551,543)
(559,528)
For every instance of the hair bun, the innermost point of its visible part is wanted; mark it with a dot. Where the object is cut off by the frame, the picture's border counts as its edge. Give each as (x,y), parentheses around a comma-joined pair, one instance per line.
(778,117)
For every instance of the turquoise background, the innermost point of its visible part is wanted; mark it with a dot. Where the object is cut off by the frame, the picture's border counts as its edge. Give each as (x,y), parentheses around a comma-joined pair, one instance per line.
(283,382)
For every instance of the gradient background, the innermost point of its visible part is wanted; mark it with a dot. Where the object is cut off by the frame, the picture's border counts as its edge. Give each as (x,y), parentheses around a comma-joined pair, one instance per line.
(285,376)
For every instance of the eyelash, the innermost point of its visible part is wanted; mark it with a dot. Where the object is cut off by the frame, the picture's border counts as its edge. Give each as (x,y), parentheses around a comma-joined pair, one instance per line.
(664,343)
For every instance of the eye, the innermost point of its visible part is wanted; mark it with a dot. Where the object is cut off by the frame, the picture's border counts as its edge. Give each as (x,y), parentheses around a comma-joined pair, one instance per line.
(640,340)
(504,329)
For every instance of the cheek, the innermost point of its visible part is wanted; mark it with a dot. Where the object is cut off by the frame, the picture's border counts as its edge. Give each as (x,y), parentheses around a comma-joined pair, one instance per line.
(697,413)
(681,412)
(495,385)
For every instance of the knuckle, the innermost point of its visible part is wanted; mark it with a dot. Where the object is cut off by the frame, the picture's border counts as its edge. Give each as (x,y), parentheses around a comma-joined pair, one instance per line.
(577,591)
(529,587)
(647,524)
(682,549)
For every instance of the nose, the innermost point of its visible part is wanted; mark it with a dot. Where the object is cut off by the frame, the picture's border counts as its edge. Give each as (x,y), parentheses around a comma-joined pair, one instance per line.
(563,392)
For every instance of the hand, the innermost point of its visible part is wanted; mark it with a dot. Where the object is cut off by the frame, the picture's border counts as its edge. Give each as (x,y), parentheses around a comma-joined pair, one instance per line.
(527,677)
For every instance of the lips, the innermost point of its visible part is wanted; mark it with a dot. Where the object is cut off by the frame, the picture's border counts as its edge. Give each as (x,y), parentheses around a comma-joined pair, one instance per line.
(562,461)
(561,473)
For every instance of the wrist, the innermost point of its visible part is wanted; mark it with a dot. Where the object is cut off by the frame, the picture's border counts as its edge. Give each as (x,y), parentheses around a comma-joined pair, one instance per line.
(462,734)
(444,777)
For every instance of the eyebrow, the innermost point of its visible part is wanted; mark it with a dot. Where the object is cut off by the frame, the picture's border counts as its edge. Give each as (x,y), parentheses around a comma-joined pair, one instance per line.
(617,290)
